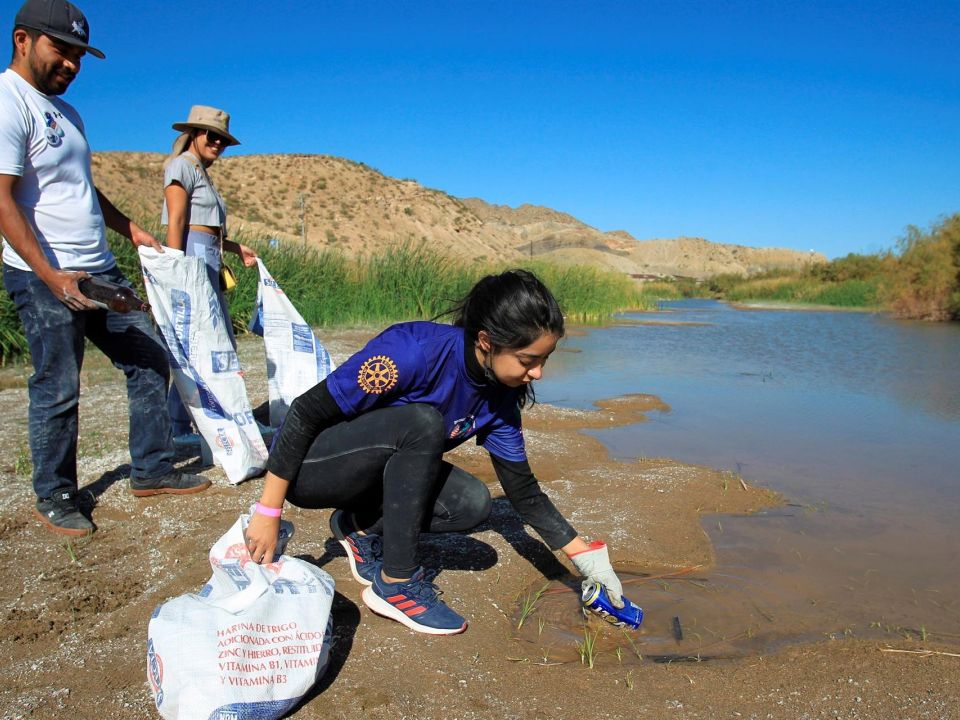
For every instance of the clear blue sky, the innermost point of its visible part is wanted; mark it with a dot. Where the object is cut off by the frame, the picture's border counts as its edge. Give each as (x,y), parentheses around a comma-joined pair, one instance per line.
(809,125)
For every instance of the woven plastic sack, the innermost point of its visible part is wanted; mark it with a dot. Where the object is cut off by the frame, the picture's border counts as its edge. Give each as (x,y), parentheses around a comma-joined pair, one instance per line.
(296,359)
(251,644)
(204,364)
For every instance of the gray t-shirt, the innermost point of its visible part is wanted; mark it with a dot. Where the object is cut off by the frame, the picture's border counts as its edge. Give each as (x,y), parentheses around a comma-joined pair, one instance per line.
(205,205)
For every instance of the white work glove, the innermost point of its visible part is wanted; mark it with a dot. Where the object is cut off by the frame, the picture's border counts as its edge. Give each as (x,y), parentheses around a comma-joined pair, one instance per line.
(594,565)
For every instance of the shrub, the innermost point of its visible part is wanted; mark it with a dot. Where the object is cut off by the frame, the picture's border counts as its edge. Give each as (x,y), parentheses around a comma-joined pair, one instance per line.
(923,282)
(851,267)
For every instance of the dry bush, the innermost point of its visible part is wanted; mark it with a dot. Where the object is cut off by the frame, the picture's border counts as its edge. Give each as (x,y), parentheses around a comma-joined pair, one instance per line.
(923,283)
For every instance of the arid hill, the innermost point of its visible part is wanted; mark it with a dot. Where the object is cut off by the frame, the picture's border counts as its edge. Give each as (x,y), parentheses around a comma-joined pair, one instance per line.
(332,202)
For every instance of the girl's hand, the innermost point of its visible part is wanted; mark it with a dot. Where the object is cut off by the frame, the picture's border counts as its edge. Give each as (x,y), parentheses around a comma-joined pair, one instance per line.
(261,537)
(594,564)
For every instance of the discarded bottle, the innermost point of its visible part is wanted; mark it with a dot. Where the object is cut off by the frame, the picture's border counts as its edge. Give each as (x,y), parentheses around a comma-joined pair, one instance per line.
(110,296)
(596,600)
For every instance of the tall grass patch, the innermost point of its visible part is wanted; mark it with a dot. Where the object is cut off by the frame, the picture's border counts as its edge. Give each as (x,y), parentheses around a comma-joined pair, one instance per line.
(851,282)
(410,281)
(13,344)
(807,290)
(589,294)
(850,294)
(405,281)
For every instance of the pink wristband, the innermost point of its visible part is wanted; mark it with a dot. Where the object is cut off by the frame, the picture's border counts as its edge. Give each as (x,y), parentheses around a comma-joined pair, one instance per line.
(268,511)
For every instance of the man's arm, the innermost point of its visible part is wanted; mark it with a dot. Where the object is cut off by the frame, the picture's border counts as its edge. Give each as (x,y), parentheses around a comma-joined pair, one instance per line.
(17,231)
(119,222)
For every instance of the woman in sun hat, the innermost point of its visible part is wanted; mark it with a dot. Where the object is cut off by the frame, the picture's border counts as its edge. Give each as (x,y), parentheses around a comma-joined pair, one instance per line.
(196,216)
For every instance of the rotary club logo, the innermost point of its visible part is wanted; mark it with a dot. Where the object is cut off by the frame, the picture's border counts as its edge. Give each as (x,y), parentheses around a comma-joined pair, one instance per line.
(377,375)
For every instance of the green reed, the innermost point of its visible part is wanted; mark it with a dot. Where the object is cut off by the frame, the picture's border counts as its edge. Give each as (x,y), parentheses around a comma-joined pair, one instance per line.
(13,343)
(528,604)
(588,648)
(812,291)
(406,281)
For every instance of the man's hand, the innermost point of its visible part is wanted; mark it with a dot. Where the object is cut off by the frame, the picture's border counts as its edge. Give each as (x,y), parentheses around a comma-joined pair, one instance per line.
(594,565)
(140,237)
(63,285)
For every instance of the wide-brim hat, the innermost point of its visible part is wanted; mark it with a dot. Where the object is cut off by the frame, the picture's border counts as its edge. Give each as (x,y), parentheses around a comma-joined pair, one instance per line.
(203,117)
(58,19)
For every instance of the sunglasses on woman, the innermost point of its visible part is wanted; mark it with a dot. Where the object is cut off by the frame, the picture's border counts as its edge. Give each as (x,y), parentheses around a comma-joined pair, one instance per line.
(215,137)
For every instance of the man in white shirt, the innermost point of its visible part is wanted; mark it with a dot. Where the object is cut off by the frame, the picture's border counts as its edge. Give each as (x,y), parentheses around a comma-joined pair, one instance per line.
(53,221)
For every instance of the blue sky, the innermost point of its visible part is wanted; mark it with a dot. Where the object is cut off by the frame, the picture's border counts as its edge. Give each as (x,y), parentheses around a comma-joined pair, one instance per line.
(808,125)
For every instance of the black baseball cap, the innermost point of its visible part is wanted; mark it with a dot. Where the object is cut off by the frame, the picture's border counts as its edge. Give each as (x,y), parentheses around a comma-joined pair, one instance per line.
(59,19)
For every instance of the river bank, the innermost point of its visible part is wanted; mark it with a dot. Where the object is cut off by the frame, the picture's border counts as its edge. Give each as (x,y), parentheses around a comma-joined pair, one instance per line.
(74,617)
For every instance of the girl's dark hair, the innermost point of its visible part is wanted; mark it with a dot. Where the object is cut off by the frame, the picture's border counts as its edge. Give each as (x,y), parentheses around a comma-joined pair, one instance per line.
(515,309)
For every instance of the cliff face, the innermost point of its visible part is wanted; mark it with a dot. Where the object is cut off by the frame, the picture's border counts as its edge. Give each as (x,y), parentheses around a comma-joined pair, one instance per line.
(547,233)
(700,258)
(332,202)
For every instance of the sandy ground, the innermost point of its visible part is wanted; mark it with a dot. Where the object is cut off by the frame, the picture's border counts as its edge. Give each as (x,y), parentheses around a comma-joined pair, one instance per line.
(74,616)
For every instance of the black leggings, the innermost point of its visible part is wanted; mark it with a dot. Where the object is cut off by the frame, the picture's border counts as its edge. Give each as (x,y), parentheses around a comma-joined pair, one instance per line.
(386,466)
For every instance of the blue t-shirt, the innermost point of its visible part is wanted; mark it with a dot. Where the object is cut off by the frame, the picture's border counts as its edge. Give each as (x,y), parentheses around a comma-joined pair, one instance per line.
(423,362)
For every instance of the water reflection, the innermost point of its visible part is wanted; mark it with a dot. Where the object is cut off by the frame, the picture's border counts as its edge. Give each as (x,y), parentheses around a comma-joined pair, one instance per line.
(855,417)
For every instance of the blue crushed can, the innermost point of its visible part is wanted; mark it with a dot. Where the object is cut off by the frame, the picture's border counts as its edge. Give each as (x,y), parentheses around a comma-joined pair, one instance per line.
(596,600)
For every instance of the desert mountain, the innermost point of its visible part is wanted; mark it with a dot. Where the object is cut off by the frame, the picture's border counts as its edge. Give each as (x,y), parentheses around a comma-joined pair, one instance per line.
(331,202)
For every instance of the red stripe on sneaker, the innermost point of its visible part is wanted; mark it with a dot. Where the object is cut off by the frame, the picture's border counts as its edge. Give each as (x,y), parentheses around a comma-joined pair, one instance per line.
(405,605)
(415,611)
(394,599)
(357,558)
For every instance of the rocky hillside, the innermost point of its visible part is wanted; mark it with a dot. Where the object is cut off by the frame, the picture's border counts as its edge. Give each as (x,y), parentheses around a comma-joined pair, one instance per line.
(336,203)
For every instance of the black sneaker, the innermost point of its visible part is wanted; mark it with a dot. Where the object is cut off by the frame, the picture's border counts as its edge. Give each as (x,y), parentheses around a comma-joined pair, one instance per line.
(60,513)
(175,483)
(87,501)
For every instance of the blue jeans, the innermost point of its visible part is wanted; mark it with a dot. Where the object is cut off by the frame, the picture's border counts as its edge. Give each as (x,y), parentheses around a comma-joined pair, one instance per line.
(199,244)
(55,335)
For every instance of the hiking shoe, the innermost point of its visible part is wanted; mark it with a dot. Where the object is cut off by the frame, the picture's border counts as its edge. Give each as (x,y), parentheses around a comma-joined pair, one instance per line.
(87,501)
(365,552)
(416,603)
(60,513)
(175,483)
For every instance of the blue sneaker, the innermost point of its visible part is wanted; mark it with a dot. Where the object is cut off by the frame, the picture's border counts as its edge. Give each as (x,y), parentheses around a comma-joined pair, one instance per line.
(416,603)
(363,551)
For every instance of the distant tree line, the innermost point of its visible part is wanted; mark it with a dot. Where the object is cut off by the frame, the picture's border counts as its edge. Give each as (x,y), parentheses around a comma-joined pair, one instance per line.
(919,279)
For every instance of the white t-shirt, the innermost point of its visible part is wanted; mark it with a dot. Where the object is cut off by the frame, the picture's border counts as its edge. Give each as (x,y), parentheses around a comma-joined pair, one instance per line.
(206,205)
(42,142)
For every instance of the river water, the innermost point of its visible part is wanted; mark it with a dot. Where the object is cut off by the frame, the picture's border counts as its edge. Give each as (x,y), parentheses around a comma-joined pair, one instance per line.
(854,417)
